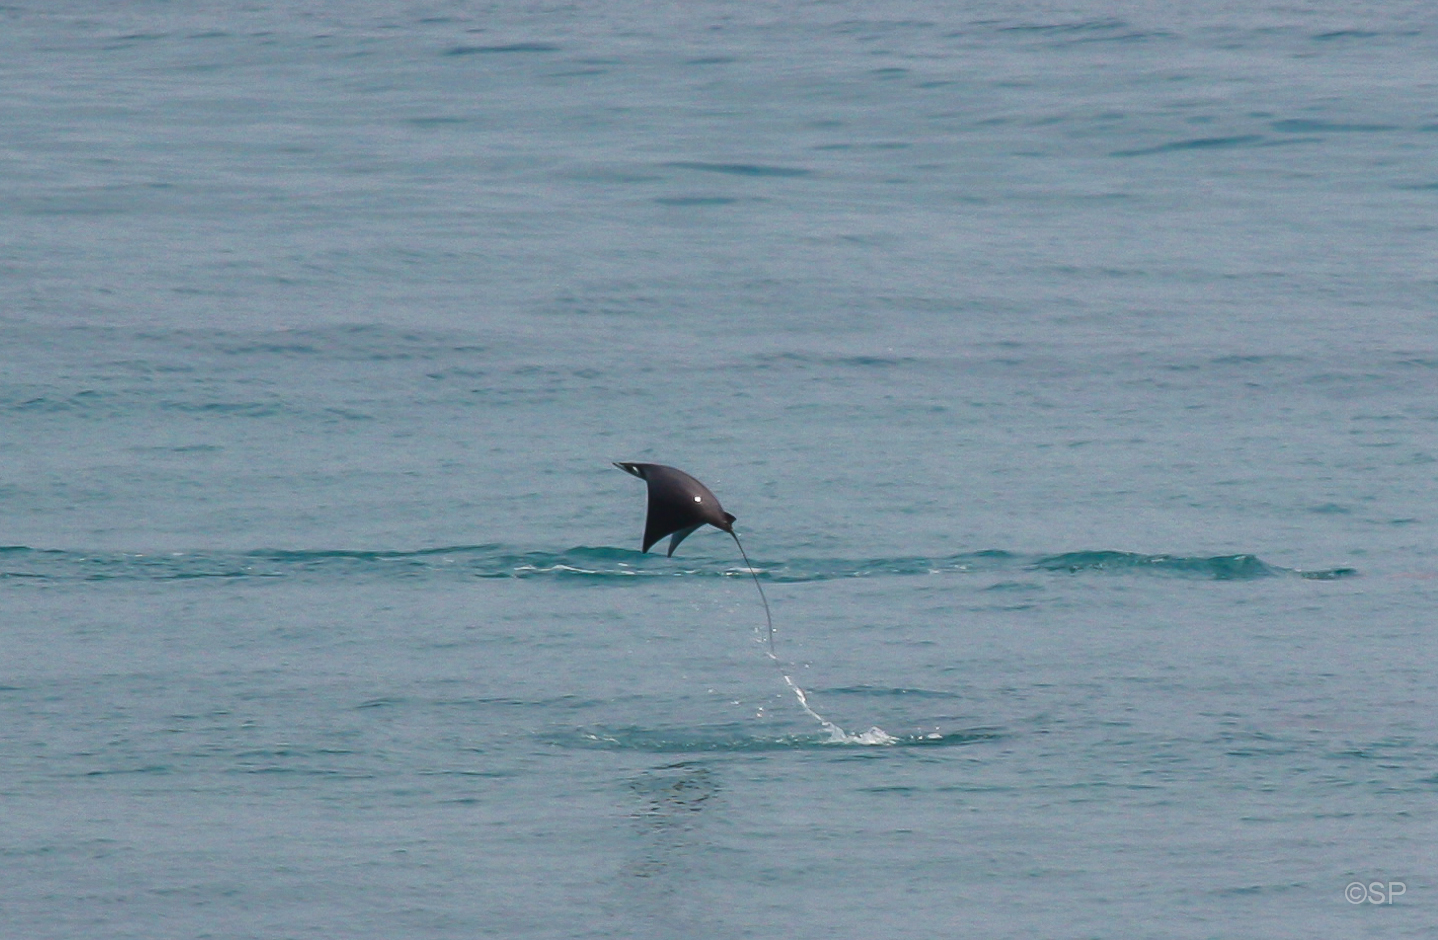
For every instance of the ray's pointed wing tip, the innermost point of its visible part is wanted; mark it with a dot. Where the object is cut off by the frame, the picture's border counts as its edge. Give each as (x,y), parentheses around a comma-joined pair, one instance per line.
(680,535)
(628,466)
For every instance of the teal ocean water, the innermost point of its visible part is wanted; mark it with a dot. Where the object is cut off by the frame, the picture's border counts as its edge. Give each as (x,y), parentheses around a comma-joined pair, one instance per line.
(1072,369)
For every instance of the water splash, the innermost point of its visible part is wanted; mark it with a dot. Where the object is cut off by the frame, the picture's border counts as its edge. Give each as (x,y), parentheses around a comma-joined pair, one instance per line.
(836,734)
(741,739)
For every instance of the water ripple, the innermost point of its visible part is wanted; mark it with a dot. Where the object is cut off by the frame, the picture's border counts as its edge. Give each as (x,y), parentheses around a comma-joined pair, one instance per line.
(608,565)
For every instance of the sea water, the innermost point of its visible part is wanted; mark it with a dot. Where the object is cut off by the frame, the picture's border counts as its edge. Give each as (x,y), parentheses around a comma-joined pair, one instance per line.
(1070,367)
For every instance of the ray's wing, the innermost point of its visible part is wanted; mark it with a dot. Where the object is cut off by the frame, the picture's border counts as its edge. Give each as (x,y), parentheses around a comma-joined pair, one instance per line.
(680,536)
(667,518)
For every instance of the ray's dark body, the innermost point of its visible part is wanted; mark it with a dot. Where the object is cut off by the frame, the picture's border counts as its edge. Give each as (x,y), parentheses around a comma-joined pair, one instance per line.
(678,504)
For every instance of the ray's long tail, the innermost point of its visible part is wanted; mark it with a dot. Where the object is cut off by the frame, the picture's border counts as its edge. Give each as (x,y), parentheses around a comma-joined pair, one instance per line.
(768,618)
(836,734)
